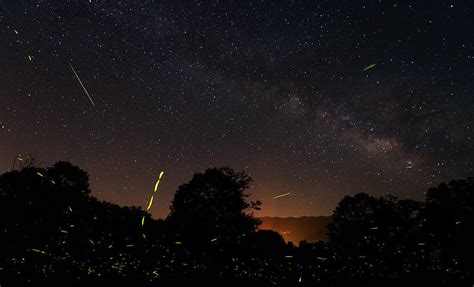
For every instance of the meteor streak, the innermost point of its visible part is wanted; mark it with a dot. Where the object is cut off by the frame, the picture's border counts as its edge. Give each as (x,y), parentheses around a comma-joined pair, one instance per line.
(84,88)
(369,67)
(282,195)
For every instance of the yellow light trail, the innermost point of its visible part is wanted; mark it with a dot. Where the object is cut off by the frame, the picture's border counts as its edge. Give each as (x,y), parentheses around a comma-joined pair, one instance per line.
(369,67)
(150,203)
(40,174)
(16,32)
(158,181)
(282,195)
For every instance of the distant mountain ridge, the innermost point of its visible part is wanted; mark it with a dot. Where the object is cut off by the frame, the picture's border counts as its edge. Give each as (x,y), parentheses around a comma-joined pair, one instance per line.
(296,229)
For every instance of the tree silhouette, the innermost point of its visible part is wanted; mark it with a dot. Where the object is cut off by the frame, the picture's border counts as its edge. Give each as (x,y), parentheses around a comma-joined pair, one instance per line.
(377,232)
(52,230)
(213,207)
(447,223)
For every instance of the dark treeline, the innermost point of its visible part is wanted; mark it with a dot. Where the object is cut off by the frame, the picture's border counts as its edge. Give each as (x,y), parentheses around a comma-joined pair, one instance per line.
(52,231)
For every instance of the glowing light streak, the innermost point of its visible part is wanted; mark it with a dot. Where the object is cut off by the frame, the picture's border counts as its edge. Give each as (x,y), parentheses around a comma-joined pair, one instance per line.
(84,88)
(282,195)
(38,251)
(158,181)
(150,203)
(369,67)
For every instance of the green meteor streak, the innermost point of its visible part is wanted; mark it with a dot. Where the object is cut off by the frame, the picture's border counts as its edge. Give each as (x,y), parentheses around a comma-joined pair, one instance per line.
(38,251)
(369,67)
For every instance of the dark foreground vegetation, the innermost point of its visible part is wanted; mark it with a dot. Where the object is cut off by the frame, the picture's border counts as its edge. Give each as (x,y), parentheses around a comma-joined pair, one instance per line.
(52,231)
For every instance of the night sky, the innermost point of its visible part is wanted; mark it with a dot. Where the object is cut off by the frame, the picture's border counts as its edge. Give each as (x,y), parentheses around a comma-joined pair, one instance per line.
(275,88)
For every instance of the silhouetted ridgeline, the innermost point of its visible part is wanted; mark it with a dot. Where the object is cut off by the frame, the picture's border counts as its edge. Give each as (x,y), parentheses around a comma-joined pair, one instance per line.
(296,229)
(52,231)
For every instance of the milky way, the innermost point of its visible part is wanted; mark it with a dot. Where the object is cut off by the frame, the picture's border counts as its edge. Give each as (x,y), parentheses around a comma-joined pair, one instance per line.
(319,99)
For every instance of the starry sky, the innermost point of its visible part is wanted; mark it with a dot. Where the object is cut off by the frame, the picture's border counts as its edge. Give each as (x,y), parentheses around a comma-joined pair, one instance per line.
(285,90)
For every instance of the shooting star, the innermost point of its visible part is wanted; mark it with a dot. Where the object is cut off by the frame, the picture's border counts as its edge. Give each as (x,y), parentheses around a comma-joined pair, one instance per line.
(369,67)
(39,251)
(84,88)
(282,195)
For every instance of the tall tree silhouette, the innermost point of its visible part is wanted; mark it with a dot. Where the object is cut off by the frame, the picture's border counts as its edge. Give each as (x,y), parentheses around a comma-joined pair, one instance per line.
(214,207)
(447,222)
